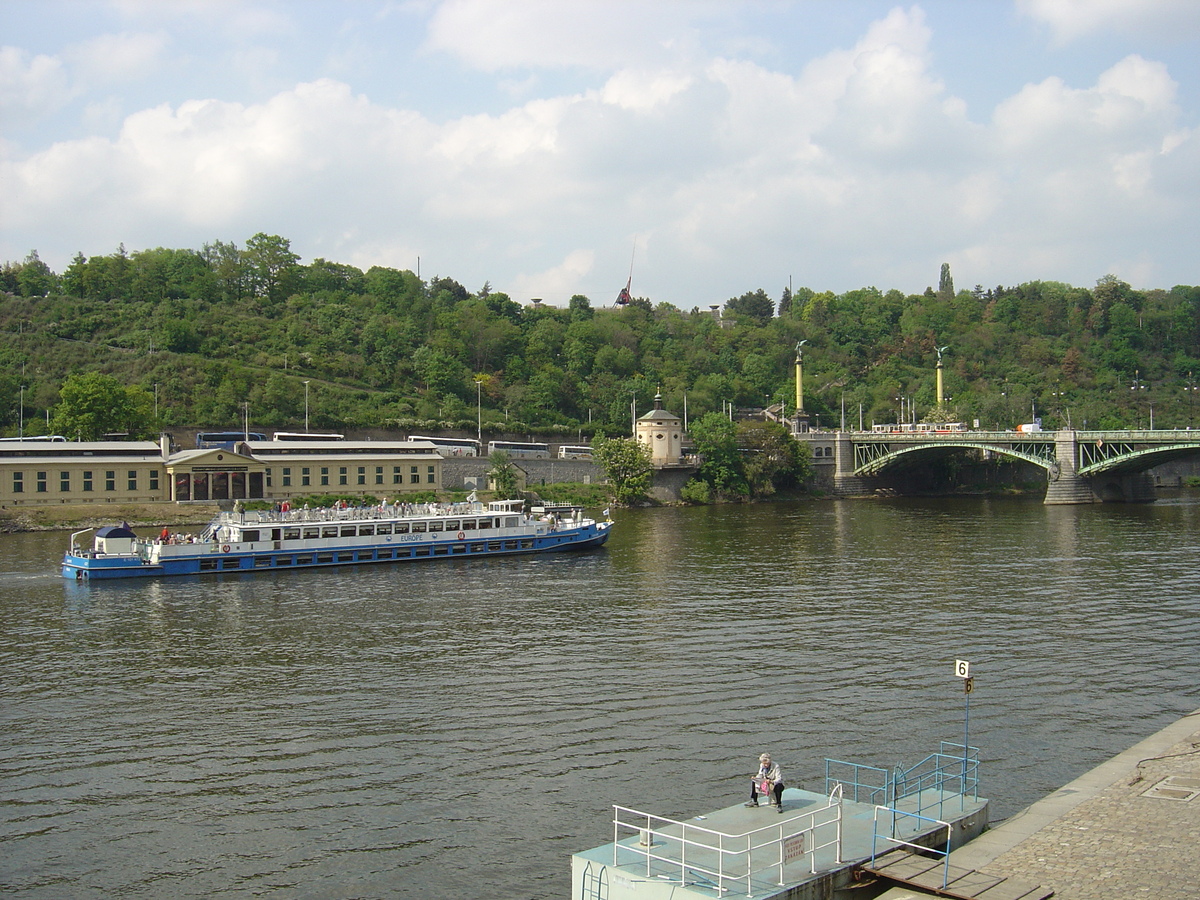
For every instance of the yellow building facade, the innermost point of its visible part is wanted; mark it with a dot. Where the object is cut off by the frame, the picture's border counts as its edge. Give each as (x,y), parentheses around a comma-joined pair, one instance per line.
(38,472)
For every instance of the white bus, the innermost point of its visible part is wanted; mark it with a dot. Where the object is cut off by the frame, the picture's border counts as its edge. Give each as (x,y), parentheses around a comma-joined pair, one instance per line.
(304,436)
(520,449)
(567,451)
(452,446)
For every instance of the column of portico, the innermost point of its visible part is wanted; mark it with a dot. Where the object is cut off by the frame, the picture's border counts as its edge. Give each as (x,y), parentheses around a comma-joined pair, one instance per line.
(1064,485)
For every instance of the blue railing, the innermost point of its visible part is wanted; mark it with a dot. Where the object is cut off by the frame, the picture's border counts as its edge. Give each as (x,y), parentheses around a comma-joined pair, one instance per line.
(947,773)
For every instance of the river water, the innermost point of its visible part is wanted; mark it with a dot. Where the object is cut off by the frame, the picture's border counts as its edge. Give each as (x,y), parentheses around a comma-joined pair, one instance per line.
(458,728)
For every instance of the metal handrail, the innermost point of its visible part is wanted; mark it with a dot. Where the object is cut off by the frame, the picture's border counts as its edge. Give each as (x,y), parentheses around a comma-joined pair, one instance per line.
(778,841)
(903,843)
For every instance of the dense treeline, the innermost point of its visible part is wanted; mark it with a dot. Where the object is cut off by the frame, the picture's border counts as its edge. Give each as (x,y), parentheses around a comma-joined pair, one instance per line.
(209,331)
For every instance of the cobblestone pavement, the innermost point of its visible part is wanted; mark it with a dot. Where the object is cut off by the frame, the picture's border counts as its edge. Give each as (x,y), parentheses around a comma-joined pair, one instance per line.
(1128,829)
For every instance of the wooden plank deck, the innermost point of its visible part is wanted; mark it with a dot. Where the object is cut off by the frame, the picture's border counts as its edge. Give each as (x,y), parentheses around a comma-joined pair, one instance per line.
(927,874)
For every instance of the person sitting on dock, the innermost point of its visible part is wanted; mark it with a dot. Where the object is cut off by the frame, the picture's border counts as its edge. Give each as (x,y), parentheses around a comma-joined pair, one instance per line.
(769,779)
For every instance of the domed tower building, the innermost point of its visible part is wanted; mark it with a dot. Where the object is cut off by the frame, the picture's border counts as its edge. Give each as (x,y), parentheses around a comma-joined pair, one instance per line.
(662,432)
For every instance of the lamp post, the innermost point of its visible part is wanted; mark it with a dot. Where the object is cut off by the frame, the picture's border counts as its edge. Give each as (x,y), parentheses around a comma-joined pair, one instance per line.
(479,411)
(21,433)
(306,406)
(156,401)
(1137,387)
(1191,392)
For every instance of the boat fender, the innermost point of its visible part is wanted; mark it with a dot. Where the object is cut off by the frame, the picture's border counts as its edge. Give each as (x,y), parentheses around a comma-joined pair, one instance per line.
(460,535)
(224,548)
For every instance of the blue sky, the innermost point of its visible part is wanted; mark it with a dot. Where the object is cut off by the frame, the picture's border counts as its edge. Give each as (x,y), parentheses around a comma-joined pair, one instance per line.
(539,146)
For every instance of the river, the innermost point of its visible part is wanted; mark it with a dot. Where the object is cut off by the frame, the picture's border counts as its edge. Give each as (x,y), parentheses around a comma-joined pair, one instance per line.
(458,728)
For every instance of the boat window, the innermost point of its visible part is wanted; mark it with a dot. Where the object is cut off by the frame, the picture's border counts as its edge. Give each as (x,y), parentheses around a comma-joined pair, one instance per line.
(366,530)
(304,560)
(485,523)
(441,551)
(401,528)
(418,526)
(329,531)
(345,557)
(250,535)
(435,526)
(421,551)
(312,532)
(262,562)
(468,525)
(208,564)
(452,525)
(384,529)
(324,557)
(510,522)
(349,530)
(478,548)
(291,534)
(493,545)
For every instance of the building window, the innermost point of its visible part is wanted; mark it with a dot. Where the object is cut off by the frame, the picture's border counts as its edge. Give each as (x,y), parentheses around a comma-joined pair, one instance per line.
(110,479)
(287,476)
(414,475)
(362,475)
(132,481)
(324,475)
(431,475)
(379,474)
(18,482)
(154,479)
(342,475)
(64,482)
(397,475)
(87,480)
(305,479)
(41,482)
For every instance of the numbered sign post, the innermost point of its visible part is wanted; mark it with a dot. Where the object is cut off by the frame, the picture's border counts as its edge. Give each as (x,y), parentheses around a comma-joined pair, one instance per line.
(962,669)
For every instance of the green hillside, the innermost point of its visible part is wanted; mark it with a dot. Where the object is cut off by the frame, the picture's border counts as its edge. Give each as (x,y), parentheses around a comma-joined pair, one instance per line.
(208,331)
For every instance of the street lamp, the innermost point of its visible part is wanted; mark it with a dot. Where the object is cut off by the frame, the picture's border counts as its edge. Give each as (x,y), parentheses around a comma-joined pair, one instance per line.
(479,411)
(306,407)
(1191,393)
(21,433)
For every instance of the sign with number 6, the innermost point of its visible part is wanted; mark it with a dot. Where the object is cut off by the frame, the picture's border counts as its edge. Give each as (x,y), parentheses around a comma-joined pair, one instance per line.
(962,668)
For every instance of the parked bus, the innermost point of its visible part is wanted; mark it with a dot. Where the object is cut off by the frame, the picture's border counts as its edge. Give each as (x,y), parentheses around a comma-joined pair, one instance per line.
(56,438)
(567,451)
(225,439)
(452,446)
(304,436)
(520,449)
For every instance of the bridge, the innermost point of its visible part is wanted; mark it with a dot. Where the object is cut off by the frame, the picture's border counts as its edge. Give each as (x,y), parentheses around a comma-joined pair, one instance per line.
(1081,466)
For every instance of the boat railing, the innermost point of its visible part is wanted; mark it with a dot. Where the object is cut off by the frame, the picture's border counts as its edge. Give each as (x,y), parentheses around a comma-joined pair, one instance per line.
(688,854)
(352,513)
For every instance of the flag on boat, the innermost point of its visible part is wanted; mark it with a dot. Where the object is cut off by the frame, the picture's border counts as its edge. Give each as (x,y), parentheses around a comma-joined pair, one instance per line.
(606,512)
(471,498)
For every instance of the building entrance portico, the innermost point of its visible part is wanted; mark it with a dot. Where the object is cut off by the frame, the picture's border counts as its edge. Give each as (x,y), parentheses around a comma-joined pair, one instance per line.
(216,475)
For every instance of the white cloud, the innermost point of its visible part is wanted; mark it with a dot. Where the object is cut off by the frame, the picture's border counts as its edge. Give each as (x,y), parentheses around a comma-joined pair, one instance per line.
(861,168)
(1069,20)
(31,86)
(597,34)
(113,58)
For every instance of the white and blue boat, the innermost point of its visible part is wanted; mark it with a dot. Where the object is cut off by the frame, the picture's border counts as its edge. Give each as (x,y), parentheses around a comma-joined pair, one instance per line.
(309,538)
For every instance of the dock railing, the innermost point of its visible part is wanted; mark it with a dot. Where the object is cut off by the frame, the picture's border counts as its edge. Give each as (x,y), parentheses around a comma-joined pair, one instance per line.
(686,853)
(948,774)
(891,840)
(951,773)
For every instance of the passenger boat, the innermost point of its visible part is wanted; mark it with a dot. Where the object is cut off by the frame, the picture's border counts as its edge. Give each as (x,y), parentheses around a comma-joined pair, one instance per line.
(307,538)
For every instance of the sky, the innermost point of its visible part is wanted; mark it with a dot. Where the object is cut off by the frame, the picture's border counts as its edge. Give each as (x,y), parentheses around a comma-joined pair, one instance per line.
(549,148)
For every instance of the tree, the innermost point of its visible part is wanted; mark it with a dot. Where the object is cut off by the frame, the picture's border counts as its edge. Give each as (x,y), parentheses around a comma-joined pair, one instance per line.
(626,463)
(92,405)
(503,474)
(946,283)
(715,438)
(755,305)
(772,458)
(270,260)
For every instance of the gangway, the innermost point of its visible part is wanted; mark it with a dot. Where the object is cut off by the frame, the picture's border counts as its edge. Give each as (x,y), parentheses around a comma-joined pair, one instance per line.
(933,876)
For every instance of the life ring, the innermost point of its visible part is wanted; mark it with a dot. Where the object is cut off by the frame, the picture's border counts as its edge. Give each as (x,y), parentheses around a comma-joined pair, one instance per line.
(461,535)
(224,548)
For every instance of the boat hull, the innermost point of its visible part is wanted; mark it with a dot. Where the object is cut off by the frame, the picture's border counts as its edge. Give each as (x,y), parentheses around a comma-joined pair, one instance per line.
(209,558)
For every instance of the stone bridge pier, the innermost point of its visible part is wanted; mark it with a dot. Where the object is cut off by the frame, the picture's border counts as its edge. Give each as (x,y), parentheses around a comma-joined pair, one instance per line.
(1065,485)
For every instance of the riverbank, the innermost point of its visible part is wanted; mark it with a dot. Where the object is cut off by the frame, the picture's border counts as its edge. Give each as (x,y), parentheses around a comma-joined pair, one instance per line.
(66,517)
